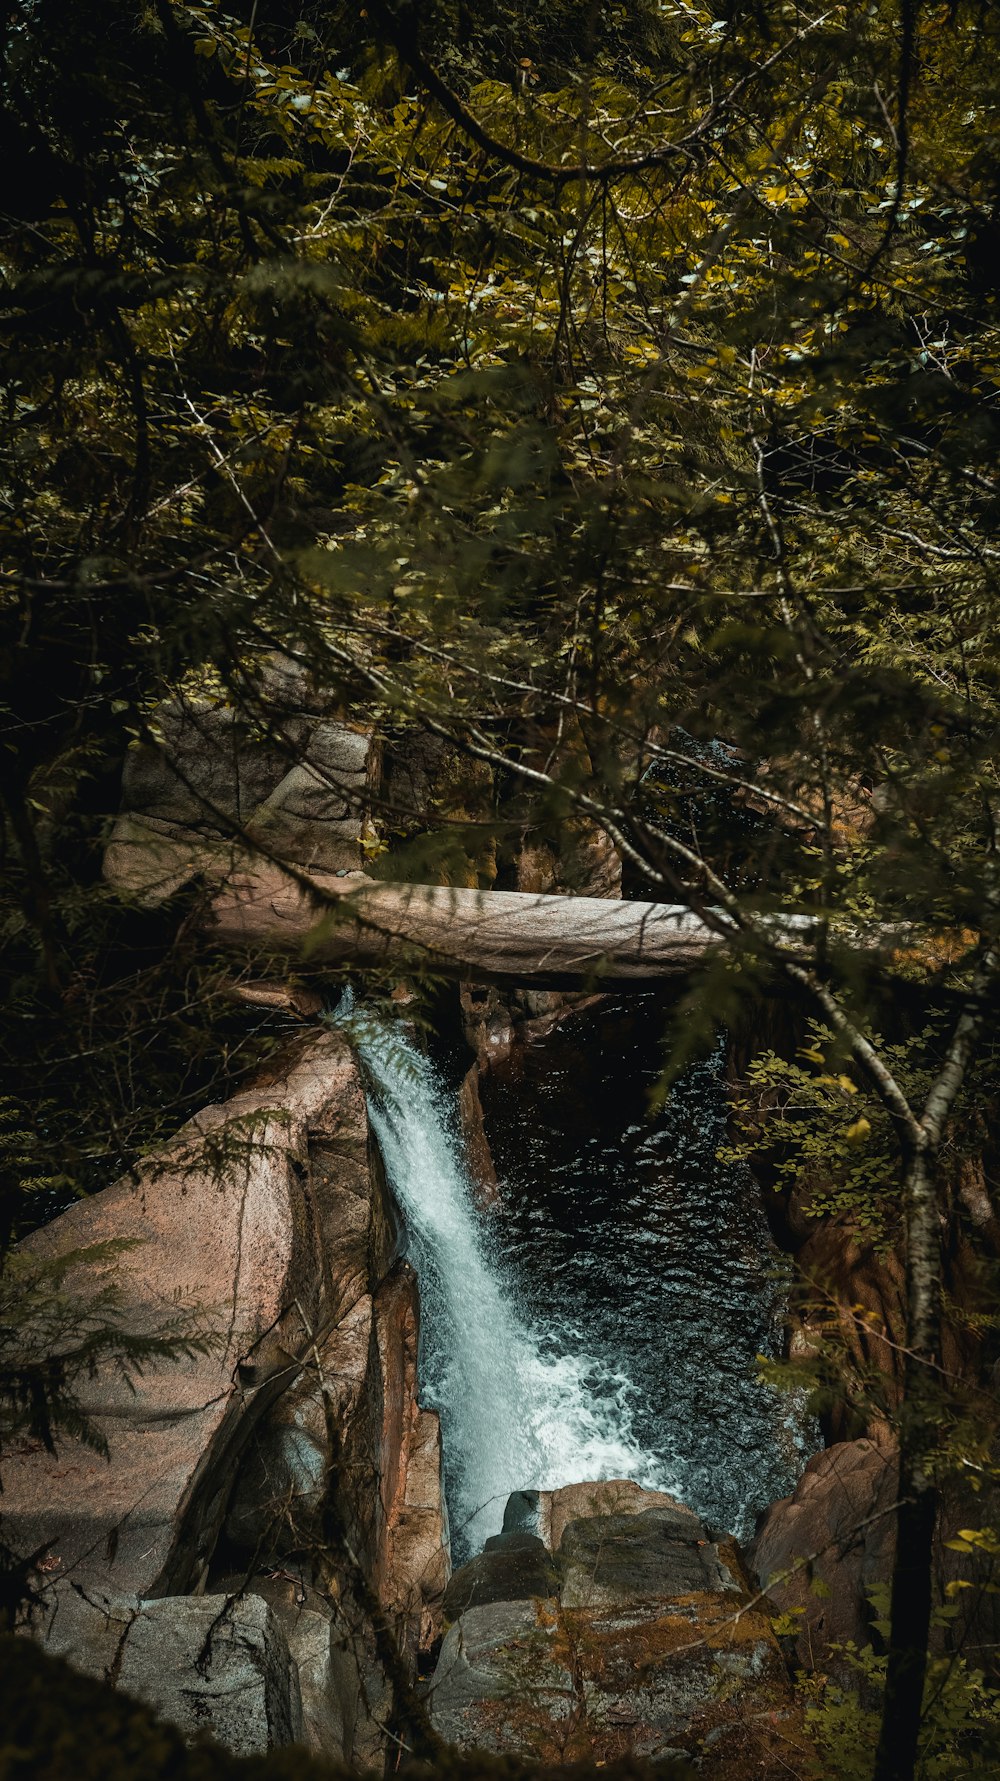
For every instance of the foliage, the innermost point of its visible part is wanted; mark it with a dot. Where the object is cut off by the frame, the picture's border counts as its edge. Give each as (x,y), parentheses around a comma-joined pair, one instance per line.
(960,1734)
(829,1137)
(636,459)
(61,1318)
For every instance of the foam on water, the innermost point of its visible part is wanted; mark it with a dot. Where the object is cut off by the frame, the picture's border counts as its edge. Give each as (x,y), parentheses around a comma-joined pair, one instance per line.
(522,1406)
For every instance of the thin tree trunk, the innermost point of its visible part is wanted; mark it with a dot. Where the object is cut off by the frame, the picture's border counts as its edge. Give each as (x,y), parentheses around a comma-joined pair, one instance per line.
(910,1607)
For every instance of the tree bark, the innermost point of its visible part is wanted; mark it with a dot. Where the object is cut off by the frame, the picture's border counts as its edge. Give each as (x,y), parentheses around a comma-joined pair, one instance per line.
(498,936)
(910,1605)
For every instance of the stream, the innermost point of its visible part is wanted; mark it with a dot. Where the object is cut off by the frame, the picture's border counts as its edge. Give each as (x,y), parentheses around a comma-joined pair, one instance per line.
(602,1321)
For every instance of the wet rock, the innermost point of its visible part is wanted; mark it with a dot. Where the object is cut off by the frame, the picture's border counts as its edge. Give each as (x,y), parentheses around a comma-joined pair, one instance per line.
(614,1496)
(840,1265)
(521,1512)
(397,1329)
(352,1425)
(513,1567)
(419,1545)
(412,1564)
(487,1025)
(611,1560)
(281,1490)
(477,1149)
(294,999)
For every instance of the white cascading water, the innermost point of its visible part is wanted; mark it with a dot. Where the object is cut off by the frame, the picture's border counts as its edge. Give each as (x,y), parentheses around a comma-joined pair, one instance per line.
(521,1408)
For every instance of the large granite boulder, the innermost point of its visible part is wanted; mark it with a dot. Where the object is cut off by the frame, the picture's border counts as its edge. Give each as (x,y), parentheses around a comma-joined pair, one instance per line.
(226,1232)
(612,1561)
(209,1664)
(822,1552)
(296,1430)
(549,1512)
(346,1695)
(512,1567)
(504,1682)
(638,1637)
(210,777)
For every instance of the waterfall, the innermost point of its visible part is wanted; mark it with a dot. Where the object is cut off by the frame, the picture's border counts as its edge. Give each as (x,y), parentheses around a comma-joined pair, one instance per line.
(523,1405)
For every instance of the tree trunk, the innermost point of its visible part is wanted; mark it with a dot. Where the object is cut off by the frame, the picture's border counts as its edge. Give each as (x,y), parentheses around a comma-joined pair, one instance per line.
(910,1607)
(496,936)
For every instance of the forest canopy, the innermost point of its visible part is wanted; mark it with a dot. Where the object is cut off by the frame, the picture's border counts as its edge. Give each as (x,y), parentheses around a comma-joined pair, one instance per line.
(632,367)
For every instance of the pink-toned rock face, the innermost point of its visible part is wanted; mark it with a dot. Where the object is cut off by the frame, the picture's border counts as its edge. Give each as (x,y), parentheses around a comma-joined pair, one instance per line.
(837,1531)
(616,1496)
(266,1225)
(419,1561)
(412,1567)
(225,1232)
(387,1468)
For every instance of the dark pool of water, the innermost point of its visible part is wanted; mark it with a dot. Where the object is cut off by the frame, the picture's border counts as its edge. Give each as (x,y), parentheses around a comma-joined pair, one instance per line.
(624,1227)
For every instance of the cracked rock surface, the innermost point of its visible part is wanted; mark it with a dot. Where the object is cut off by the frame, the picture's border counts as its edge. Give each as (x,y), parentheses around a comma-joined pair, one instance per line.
(297,1432)
(207,1663)
(638,1637)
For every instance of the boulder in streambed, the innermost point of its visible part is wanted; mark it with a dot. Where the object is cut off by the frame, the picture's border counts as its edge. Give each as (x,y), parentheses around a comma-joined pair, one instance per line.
(642,1639)
(610,1561)
(547,1513)
(512,1567)
(824,1550)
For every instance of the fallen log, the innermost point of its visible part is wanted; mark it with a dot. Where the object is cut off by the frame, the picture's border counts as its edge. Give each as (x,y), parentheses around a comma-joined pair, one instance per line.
(494,936)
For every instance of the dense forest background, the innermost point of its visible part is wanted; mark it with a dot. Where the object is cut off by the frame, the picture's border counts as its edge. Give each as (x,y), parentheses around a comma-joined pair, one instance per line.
(609,391)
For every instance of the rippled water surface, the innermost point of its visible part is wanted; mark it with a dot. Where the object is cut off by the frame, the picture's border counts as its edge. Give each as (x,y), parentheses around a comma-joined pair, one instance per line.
(626,1235)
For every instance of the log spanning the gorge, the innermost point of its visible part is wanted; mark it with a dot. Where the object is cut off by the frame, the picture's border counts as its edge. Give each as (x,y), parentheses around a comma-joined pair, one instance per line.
(498,936)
